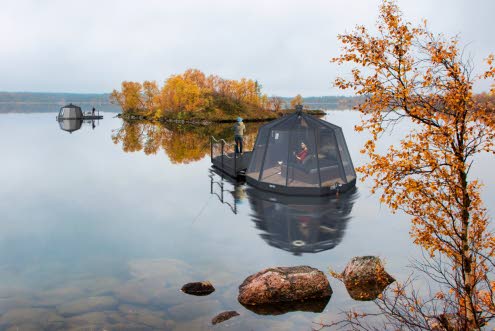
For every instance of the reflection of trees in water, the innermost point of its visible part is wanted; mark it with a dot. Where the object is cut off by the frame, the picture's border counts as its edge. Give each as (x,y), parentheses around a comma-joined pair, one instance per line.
(301,224)
(182,143)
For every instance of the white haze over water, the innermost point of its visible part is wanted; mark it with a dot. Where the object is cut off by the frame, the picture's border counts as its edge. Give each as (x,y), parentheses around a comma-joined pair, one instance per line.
(91,46)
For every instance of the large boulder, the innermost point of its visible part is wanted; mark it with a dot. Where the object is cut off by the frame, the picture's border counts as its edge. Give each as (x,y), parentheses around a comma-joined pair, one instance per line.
(284,284)
(365,278)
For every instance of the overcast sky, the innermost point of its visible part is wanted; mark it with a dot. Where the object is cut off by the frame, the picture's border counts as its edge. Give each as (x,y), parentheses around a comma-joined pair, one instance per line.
(93,45)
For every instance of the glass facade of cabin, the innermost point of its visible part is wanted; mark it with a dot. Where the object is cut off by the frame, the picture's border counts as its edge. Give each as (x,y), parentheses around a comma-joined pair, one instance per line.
(70,112)
(302,155)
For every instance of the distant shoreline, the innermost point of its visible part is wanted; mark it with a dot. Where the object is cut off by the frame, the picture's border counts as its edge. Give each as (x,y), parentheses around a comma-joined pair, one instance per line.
(40,102)
(208,121)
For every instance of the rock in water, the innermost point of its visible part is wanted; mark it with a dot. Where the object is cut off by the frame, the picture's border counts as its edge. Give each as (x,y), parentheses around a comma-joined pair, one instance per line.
(222,317)
(365,278)
(198,288)
(284,284)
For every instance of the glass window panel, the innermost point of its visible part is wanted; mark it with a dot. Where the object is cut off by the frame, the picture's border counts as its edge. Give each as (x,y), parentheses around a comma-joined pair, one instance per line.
(329,158)
(346,158)
(276,158)
(258,153)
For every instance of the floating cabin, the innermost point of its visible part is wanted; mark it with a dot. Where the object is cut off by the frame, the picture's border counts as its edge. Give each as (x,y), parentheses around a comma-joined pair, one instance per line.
(73,112)
(70,112)
(277,163)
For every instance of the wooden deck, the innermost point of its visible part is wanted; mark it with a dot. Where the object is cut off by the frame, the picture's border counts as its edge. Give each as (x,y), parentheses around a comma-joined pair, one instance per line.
(91,117)
(276,175)
(232,164)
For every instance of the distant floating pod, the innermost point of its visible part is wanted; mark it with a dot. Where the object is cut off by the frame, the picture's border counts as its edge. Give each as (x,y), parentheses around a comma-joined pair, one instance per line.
(71,117)
(70,112)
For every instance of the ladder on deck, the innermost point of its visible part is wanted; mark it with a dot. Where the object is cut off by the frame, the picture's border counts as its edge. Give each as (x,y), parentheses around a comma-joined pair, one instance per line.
(224,155)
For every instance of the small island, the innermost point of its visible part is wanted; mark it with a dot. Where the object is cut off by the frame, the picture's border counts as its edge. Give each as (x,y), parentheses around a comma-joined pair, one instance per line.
(194,97)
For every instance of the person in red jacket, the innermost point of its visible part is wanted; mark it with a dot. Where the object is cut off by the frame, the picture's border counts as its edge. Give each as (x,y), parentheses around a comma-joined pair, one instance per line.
(302,154)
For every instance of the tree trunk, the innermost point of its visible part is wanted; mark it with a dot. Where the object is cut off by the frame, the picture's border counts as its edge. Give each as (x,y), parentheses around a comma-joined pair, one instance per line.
(467,258)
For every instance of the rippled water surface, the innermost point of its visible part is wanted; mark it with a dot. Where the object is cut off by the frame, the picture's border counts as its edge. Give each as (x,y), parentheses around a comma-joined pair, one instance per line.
(100,232)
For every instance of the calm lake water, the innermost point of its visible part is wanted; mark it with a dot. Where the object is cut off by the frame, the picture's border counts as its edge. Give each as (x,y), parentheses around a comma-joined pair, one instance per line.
(94,237)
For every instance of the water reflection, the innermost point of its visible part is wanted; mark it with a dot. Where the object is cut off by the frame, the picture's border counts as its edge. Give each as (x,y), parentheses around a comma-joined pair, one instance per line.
(295,224)
(281,308)
(72,125)
(301,224)
(181,142)
(232,195)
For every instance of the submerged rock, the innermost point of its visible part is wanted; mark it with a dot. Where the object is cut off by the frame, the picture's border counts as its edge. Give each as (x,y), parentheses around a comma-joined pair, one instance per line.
(136,292)
(194,309)
(222,317)
(57,296)
(284,284)
(365,278)
(39,317)
(93,319)
(87,305)
(170,272)
(149,292)
(198,288)
(143,316)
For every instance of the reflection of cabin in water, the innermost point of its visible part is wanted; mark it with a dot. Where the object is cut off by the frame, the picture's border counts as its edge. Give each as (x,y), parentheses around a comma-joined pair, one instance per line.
(70,125)
(301,224)
(297,224)
(297,154)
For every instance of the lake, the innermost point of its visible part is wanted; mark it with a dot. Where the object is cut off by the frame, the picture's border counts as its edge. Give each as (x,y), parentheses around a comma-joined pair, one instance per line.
(100,231)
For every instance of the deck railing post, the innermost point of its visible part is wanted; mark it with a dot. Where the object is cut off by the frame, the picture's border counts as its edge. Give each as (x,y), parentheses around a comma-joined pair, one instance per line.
(211,149)
(235,161)
(223,146)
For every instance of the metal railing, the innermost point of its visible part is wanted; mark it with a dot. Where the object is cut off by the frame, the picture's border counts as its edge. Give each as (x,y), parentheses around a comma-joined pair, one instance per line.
(221,143)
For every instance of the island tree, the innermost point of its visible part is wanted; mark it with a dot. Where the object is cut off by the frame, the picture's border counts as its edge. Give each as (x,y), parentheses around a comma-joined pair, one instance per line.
(297,100)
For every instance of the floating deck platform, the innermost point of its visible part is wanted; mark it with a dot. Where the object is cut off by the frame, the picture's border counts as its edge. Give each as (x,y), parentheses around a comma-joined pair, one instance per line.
(225,159)
(92,117)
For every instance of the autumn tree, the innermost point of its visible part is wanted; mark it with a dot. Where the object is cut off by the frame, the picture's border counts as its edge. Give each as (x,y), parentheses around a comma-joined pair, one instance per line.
(277,103)
(181,94)
(129,98)
(297,100)
(150,96)
(407,73)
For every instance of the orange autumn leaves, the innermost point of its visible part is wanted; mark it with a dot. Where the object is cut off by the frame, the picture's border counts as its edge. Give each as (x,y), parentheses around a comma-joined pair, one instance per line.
(407,73)
(192,92)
